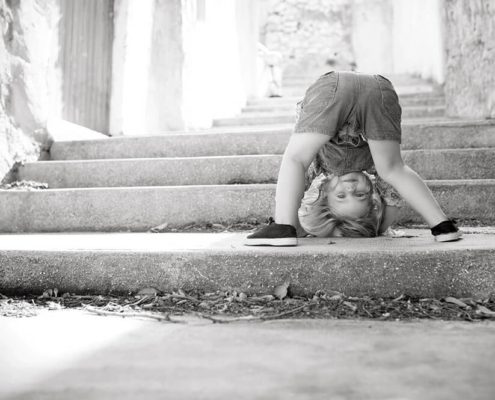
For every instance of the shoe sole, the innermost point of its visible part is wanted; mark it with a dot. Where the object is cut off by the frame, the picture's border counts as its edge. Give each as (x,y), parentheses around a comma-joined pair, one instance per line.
(448,237)
(271,242)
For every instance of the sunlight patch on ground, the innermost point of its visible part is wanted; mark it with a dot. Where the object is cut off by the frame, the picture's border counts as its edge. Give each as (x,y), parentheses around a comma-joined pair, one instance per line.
(37,347)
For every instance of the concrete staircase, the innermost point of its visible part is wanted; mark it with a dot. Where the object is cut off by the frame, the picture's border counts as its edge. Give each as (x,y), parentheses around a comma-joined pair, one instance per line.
(227,174)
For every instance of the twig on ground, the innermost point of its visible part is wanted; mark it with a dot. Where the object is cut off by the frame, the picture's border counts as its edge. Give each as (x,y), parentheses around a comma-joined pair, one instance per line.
(141,300)
(253,317)
(128,314)
(182,296)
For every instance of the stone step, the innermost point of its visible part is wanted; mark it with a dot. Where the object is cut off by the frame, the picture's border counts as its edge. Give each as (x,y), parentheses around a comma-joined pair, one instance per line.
(286,107)
(420,88)
(127,262)
(430,164)
(405,100)
(262,118)
(263,140)
(398,80)
(141,208)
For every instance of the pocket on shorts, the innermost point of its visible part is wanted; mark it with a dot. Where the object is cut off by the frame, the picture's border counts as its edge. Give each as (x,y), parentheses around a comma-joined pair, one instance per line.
(320,94)
(390,100)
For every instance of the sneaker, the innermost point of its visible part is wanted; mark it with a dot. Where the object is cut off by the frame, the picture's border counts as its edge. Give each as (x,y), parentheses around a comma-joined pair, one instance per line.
(446,231)
(273,235)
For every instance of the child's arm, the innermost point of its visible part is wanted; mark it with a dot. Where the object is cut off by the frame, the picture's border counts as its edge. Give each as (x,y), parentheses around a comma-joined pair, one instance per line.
(299,154)
(389,216)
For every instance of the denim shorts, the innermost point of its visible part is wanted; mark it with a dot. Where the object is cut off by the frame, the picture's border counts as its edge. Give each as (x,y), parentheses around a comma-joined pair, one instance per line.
(368,103)
(349,108)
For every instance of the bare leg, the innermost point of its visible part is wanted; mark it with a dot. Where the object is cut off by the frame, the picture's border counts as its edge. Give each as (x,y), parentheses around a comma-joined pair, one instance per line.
(391,167)
(299,154)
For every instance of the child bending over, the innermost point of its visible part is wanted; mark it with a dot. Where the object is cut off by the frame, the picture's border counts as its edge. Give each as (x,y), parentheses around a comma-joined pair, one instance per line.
(348,124)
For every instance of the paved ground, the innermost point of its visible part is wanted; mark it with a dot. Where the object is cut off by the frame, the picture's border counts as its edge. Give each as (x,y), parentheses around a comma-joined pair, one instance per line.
(72,355)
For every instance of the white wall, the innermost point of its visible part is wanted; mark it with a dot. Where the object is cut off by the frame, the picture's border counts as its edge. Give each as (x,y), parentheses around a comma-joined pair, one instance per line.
(399,37)
(213,78)
(372,36)
(418,46)
(133,23)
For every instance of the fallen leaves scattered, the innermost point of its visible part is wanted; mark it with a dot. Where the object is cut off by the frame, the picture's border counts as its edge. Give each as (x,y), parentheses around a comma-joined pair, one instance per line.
(248,225)
(24,185)
(232,306)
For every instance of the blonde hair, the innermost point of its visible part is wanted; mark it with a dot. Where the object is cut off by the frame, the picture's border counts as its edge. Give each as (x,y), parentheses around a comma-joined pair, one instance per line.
(318,219)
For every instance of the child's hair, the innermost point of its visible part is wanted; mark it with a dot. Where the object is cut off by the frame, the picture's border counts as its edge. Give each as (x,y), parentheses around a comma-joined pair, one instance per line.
(318,219)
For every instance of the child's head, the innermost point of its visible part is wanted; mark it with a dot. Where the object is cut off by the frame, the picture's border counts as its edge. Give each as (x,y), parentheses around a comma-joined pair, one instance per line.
(346,206)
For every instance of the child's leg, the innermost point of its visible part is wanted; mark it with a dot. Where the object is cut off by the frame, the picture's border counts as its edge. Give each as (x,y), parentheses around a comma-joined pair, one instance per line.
(390,166)
(298,155)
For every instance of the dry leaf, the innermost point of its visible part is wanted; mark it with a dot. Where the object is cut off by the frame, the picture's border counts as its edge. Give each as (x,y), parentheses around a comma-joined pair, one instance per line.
(350,305)
(54,306)
(485,311)
(281,291)
(159,228)
(455,301)
(150,291)
(469,301)
(399,298)
(242,296)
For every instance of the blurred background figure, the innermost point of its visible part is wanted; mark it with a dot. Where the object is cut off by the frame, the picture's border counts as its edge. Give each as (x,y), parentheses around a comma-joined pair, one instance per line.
(269,72)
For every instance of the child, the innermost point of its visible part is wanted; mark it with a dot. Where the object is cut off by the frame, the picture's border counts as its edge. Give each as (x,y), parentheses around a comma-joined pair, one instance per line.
(347,122)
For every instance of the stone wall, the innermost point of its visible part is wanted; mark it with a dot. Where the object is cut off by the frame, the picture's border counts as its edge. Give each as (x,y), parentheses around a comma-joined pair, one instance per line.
(213,77)
(308,33)
(29,83)
(470,42)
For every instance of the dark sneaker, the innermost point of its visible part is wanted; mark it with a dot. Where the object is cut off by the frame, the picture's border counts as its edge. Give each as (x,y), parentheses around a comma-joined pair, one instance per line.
(446,231)
(273,235)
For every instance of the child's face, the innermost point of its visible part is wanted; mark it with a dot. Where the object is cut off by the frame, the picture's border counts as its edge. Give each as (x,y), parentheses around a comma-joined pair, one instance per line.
(349,195)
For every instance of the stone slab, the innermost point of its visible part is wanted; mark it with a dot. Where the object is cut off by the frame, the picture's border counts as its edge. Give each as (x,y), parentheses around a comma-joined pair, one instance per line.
(430,164)
(86,356)
(141,208)
(447,134)
(123,263)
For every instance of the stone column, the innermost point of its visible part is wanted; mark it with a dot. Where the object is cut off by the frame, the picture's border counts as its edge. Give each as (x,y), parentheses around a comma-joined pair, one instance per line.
(247,30)
(165,80)
(470,43)
(133,21)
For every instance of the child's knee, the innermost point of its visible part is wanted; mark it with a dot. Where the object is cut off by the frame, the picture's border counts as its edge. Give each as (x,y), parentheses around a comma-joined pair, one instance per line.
(390,169)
